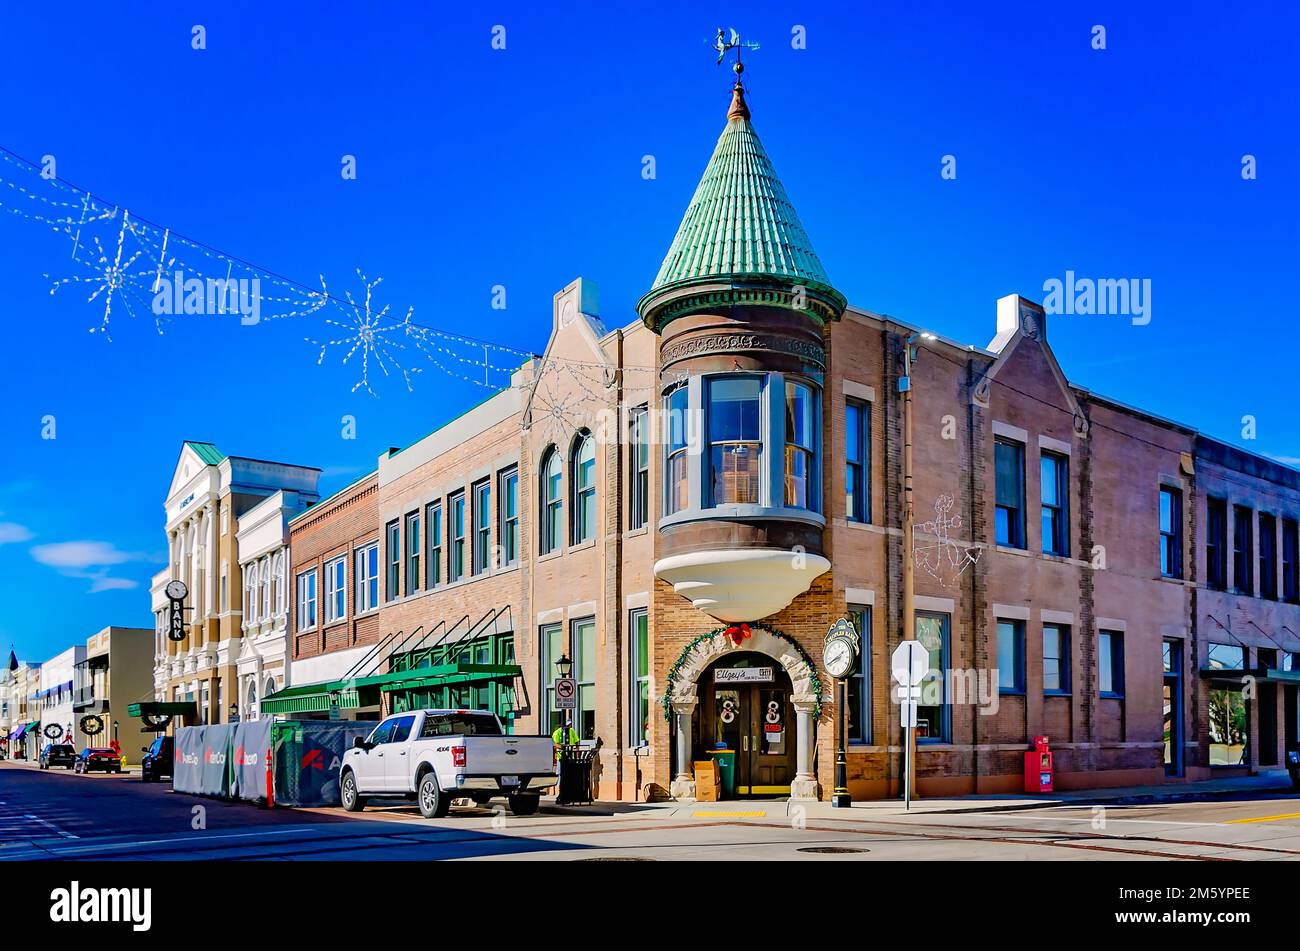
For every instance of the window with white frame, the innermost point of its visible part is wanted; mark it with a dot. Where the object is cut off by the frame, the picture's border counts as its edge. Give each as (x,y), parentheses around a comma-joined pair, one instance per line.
(336,574)
(367,562)
(639,653)
(265,578)
(583,468)
(277,584)
(307,600)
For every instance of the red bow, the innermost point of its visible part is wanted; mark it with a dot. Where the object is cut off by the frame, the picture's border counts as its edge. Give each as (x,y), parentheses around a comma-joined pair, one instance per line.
(737,633)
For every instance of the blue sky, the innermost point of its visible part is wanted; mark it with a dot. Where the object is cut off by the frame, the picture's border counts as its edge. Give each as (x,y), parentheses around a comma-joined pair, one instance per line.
(479,167)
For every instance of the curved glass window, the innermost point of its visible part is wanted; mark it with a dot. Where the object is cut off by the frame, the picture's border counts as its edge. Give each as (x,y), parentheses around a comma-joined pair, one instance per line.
(800,440)
(735,446)
(552,500)
(676,409)
(584,490)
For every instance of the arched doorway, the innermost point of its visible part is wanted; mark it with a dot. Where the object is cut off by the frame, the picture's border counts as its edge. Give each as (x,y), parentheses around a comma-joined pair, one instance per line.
(691,677)
(745,706)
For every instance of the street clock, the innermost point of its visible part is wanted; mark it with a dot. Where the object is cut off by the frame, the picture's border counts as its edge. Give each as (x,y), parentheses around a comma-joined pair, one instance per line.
(176,590)
(840,652)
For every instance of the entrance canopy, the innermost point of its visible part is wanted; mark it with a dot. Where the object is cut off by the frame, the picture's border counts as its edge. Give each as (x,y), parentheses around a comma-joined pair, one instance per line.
(158,708)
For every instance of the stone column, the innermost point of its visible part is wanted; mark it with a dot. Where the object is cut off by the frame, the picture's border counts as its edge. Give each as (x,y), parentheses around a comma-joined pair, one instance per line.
(211,605)
(683,784)
(805,781)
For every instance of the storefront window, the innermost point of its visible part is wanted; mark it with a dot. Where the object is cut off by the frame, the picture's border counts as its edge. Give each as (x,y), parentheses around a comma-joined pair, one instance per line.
(1228,729)
(859,685)
(932,723)
(735,446)
(640,654)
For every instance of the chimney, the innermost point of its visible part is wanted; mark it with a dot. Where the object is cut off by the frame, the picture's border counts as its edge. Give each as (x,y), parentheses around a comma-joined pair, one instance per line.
(1017,314)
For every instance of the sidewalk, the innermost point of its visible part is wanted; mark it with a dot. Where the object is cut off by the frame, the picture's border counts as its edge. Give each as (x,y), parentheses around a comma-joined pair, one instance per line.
(1244,787)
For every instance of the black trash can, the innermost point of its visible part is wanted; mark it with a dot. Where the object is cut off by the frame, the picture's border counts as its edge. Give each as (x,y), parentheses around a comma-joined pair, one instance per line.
(575,776)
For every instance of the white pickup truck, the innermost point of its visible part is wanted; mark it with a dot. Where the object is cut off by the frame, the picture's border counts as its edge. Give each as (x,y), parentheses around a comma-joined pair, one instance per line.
(435,756)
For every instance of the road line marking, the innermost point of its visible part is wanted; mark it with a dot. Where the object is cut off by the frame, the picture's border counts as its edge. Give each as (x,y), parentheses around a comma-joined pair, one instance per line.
(52,827)
(710,813)
(1285,815)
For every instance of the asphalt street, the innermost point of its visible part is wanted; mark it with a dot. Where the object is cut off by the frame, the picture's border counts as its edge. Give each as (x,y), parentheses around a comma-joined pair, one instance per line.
(57,814)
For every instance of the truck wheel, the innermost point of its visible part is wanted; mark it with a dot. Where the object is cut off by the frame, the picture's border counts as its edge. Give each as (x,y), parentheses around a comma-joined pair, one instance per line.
(352,801)
(433,802)
(524,804)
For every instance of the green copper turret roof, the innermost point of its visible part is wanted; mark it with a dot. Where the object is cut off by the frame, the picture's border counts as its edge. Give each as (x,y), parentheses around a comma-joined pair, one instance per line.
(206,451)
(740,222)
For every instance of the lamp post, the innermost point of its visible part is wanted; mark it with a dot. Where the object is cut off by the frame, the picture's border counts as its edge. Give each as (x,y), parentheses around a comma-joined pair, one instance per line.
(564,667)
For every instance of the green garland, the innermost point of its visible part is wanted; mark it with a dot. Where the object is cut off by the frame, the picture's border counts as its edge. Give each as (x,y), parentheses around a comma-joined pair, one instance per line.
(680,662)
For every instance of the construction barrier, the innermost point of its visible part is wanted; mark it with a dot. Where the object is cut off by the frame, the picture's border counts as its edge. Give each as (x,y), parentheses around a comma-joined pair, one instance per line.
(228,761)
(306,756)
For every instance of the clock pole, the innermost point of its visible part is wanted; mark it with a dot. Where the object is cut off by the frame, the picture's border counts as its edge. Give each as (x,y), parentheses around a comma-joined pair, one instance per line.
(841,799)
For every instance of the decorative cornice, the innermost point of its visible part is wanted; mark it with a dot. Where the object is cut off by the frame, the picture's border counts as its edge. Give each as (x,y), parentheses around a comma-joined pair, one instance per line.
(743,343)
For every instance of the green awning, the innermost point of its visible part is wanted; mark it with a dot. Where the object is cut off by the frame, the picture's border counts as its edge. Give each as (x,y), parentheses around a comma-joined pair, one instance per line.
(441,675)
(157,708)
(311,698)
(315,698)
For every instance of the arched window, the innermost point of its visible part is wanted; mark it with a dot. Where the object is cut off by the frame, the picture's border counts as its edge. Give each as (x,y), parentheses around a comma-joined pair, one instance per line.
(552,520)
(584,488)
(279,606)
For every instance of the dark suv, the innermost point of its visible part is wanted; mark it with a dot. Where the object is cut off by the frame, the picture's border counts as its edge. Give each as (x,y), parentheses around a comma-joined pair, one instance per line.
(157,761)
(58,754)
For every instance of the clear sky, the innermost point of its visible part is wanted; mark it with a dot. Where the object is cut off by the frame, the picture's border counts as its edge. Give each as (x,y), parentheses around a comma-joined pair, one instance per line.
(522,167)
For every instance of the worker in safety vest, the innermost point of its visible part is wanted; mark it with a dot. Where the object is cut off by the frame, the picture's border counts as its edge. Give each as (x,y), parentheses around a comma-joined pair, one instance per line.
(558,739)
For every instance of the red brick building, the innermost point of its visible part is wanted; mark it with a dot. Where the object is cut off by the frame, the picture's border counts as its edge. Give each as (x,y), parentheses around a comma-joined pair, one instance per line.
(683,506)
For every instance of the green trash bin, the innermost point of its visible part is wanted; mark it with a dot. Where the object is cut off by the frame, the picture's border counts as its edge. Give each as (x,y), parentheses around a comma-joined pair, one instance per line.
(726,762)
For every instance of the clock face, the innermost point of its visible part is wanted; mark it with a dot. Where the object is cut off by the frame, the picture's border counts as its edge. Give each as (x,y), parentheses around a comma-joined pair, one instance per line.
(176,590)
(838,658)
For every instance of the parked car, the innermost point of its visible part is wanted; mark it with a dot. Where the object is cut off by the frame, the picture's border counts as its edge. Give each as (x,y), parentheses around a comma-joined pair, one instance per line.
(435,756)
(58,754)
(98,757)
(157,761)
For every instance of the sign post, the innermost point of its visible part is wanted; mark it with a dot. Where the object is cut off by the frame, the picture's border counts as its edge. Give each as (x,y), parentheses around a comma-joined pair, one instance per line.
(566,699)
(909,663)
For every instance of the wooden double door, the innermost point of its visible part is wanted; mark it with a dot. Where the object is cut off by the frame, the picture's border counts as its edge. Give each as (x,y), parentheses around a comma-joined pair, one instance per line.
(746,706)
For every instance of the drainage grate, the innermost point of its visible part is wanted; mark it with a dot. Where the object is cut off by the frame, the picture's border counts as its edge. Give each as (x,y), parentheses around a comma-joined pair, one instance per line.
(832,850)
(616,858)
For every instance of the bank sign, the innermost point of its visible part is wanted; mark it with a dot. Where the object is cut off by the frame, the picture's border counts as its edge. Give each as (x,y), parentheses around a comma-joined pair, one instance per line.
(743,675)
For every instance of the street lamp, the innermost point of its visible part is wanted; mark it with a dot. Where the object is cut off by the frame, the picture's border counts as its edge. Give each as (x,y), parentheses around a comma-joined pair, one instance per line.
(115,726)
(564,666)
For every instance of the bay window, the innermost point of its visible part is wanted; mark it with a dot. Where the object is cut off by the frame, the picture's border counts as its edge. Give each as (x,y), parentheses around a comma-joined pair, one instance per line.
(675,478)
(735,445)
(800,417)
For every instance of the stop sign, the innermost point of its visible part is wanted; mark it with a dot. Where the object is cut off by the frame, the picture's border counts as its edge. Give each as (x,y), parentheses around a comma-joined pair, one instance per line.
(910,663)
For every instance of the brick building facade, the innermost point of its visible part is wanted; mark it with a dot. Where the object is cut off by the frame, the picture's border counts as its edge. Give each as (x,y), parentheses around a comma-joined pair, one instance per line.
(684,505)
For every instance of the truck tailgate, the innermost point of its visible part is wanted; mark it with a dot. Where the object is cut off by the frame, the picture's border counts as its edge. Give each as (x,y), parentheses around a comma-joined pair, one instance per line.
(508,755)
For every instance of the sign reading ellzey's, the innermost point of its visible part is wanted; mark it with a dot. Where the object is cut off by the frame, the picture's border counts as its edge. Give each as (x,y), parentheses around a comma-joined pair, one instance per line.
(746,675)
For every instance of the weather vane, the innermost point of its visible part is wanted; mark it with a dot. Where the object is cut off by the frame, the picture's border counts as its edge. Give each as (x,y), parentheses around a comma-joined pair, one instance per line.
(722,45)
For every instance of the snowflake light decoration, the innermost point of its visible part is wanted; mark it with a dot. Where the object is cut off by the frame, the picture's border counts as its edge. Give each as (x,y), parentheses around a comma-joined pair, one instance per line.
(935,550)
(109,276)
(363,330)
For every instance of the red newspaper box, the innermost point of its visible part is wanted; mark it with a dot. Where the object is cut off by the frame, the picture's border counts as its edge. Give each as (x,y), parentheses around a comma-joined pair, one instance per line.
(1038,767)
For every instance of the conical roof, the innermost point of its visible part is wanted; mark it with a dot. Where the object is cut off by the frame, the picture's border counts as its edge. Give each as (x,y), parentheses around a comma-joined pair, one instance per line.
(740,221)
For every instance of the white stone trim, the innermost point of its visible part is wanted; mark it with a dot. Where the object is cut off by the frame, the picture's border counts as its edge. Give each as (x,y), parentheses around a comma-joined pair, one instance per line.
(864,596)
(1053,445)
(1056,617)
(639,600)
(549,617)
(1110,624)
(860,391)
(1010,612)
(582,609)
(1010,432)
(941,605)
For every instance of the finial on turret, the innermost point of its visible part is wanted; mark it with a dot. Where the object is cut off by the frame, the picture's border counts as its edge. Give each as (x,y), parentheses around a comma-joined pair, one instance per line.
(738,110)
